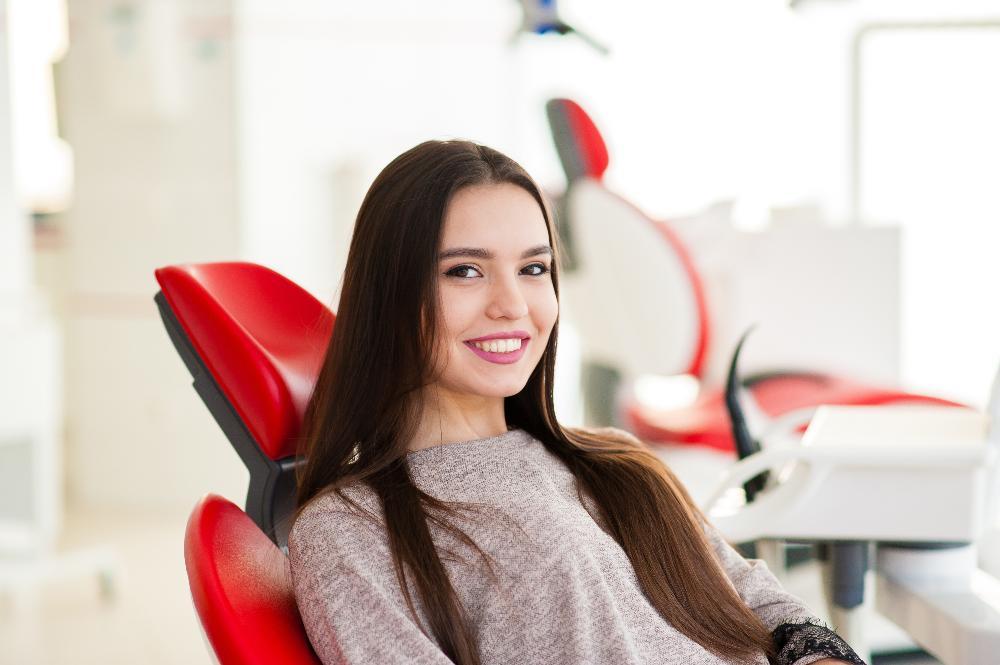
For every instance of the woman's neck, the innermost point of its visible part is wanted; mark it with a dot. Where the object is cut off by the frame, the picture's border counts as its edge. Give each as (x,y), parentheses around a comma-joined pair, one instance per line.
(450,418)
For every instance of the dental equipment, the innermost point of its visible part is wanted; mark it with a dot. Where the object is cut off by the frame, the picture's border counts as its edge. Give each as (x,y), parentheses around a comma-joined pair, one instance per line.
(667,326)
(914,481)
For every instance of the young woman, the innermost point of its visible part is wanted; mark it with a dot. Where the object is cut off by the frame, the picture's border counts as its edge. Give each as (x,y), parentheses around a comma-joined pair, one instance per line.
(445,516)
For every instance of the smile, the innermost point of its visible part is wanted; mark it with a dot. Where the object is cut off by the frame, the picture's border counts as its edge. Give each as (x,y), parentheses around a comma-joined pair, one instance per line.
(502,351)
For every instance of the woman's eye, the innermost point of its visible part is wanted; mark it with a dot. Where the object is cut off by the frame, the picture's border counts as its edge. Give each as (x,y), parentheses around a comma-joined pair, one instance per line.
(463,272)
(536,269)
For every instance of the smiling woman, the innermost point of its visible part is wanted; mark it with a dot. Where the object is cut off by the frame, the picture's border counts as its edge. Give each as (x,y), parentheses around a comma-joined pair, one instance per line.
(445,516)
(497,306)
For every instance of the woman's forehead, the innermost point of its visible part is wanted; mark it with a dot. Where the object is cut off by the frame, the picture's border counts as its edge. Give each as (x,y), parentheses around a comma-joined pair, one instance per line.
(494,217)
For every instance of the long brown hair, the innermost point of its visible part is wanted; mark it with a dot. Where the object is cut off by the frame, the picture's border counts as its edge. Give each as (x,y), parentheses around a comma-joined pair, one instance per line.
(363,411)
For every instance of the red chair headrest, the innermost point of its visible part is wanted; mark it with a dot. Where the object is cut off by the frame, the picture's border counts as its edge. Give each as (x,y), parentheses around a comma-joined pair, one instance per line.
(261,336)
(581,149)
(241,586)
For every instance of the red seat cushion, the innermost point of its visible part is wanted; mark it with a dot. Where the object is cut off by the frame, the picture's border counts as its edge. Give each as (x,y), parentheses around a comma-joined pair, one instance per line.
(261,336)
(706,422)
(241,585)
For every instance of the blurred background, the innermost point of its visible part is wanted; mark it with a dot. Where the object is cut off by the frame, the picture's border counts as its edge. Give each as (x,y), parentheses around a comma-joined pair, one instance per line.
(138,134)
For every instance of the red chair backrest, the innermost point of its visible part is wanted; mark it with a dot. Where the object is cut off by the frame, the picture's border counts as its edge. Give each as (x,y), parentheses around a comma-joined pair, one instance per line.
(261,336)
(241,586)
(661,328)
(580,146)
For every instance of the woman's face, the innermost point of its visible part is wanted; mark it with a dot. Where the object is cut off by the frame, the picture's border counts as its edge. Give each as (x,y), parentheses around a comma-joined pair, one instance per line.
(497,303)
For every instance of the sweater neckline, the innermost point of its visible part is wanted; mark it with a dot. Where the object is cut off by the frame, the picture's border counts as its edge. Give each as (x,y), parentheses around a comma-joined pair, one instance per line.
(457,448)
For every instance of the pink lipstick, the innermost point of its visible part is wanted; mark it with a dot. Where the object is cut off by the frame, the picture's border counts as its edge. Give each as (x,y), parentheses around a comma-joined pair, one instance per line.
(498,357)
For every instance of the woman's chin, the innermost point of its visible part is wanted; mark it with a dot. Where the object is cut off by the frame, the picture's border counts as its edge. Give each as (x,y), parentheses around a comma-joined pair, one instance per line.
(506,389)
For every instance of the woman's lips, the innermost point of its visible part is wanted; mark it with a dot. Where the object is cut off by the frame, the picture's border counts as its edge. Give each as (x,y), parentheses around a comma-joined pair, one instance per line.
(500,358)
(508,334)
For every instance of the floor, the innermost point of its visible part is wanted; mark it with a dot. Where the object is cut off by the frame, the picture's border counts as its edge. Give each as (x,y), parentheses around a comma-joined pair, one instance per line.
(145,616)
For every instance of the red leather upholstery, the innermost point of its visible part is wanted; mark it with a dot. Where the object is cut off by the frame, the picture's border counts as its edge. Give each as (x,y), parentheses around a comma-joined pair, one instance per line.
(706,422)
(241,585)
(262,337)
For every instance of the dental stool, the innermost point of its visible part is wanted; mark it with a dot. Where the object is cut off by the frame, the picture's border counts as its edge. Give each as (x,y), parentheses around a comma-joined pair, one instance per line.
(605,236)
(254,343)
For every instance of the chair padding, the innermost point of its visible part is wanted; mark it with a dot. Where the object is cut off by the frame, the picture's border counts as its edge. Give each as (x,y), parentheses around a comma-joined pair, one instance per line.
(241,586)
(262,338)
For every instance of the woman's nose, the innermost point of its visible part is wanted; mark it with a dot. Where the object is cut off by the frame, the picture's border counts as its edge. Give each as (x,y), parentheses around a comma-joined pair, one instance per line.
(507,301)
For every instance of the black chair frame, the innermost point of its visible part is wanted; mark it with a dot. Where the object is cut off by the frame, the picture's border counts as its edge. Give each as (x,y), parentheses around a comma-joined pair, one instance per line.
(270,498)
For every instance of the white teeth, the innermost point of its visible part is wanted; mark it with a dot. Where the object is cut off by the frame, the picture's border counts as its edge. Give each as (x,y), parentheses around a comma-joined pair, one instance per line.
(499,345)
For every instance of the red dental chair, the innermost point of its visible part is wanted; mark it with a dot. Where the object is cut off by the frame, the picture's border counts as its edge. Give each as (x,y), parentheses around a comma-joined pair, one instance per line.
(604,236)
(253,342)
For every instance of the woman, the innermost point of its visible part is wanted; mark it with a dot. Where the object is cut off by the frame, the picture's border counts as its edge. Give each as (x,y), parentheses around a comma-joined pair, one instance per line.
(445,515)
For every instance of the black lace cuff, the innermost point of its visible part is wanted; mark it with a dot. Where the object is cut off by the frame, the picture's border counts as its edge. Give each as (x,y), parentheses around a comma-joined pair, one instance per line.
(793,641)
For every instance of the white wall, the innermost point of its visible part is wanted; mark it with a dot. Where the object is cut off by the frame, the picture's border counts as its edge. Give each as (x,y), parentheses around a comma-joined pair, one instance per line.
(15,238)
(932,163)
(329,93)
(146,98)
(30,408)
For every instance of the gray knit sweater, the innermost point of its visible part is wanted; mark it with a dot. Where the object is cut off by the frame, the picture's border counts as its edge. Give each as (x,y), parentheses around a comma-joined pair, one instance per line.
(567,592)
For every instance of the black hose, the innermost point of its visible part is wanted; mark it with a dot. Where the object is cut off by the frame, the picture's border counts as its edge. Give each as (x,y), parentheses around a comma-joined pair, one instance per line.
(746,445)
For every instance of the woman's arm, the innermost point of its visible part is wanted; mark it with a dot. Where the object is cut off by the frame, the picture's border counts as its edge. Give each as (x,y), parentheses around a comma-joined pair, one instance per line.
(348,596)
(799,637)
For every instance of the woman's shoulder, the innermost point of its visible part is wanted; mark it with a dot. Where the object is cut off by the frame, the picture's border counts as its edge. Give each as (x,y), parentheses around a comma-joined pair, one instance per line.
(348,518)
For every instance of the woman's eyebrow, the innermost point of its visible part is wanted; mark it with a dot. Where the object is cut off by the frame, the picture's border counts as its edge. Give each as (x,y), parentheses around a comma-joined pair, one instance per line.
(480,253)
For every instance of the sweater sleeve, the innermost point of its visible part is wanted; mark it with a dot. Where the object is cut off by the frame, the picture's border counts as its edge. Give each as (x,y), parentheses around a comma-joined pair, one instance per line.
(347,593)
(799,637)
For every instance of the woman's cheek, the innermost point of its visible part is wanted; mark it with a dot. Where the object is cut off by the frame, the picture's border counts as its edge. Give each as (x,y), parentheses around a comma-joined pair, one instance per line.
(550,310)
